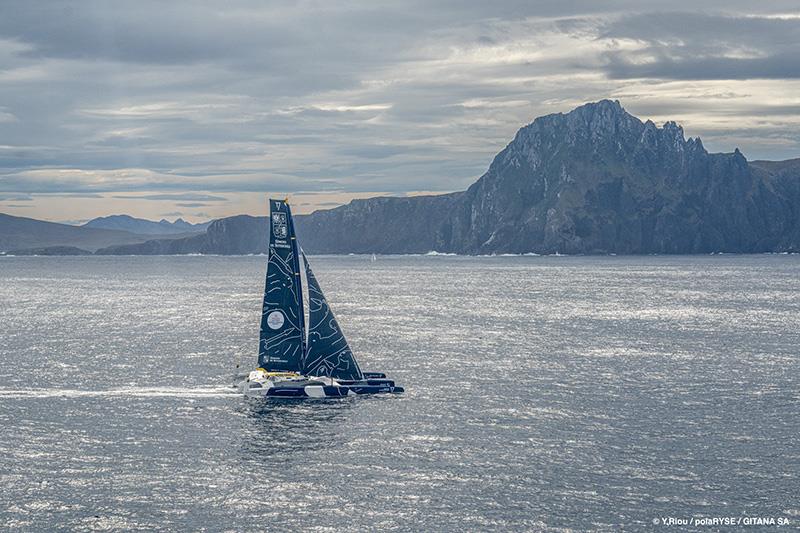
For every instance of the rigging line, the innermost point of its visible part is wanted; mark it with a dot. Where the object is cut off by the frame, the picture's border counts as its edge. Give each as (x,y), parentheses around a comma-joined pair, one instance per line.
(238,353)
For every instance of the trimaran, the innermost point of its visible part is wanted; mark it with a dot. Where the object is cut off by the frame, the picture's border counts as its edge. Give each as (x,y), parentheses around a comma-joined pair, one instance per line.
(301,354)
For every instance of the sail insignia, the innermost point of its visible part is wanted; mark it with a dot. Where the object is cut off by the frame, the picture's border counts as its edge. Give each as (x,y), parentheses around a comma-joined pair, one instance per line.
(282,338)
(327,352)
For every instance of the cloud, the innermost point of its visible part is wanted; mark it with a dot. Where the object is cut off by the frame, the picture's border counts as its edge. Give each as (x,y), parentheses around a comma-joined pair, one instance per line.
(699,46)
(5,116)
(198,214)
(185,102)
(15,198)
(196,204)
(326,204)
(175,196)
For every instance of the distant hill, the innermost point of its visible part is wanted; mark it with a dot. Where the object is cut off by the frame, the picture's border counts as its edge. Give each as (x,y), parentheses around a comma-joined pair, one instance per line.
(241,234)
(51,250)
(145,227)
(595,180)
(20,233)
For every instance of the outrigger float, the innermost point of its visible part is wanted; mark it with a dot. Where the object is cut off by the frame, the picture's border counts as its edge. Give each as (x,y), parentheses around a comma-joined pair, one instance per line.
(302,354)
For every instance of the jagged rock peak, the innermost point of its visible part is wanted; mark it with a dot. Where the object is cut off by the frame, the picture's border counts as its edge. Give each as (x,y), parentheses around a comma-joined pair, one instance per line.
(738,157)
(606,116)
(603,123)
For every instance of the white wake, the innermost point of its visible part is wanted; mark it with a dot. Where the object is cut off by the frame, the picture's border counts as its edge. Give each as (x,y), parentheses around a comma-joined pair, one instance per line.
(126,392)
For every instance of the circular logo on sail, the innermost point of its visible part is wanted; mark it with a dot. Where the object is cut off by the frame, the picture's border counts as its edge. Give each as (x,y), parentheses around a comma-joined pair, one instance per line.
(275,320)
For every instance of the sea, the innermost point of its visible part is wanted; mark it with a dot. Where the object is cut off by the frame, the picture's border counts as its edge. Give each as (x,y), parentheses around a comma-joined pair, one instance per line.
(551,393)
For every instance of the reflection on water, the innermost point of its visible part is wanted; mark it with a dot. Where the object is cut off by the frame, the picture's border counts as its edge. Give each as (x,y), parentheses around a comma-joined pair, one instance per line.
(283,427)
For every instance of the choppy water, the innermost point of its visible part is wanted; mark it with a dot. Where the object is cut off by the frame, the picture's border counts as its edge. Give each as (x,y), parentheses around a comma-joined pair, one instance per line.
(543,393)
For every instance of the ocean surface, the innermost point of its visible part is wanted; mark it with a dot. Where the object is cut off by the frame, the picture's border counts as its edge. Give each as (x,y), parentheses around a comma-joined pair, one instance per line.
(542,393)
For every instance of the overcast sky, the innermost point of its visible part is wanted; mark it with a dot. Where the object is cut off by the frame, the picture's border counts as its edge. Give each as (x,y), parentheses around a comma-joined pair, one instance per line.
(200,109)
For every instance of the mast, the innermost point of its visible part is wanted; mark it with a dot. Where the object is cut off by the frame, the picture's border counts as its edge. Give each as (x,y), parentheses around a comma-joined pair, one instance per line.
(282,342)
(298,278)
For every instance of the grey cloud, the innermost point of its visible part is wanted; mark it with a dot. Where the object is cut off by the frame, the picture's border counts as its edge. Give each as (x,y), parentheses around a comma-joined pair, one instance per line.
(177,196)
(143,32)
(71,195)
(15,198)
(376,151)
(322,204)
(353,97)
(776,66)
(698,46)
(176,214)
(195,204)
(710,32)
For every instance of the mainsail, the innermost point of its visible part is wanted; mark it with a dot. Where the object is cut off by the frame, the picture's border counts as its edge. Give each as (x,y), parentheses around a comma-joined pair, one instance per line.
(282,341)
(327,352)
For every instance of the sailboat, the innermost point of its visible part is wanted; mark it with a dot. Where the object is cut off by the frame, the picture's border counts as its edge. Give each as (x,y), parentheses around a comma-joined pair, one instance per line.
(302,353)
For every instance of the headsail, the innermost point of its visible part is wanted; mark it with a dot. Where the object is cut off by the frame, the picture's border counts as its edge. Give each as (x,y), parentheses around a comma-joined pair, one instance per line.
(328,353)
(282,342)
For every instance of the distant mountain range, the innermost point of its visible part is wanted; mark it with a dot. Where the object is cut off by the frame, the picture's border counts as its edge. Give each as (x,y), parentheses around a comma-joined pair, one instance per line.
(595,180)
(27,236)
(145,227)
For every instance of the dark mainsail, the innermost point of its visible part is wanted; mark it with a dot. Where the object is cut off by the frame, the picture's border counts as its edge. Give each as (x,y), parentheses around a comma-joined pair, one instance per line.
(327,352)
(282,342)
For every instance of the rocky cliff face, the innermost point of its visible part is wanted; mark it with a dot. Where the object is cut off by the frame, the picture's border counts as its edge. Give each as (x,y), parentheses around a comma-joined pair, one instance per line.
(380,225)
(594,180)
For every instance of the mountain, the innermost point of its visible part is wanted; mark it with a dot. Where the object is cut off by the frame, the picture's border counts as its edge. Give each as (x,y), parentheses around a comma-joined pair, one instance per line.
(595,180)
(27,235)
(145,227)
(241,234)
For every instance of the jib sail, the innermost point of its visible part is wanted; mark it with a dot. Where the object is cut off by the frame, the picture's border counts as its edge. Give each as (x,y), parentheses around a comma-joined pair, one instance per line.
(327,351)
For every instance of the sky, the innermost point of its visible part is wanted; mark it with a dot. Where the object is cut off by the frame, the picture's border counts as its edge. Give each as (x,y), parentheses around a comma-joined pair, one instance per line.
(202,109)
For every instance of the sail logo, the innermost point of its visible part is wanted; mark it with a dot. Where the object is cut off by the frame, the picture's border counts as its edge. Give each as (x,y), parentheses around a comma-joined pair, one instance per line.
(279,227)
(275,320)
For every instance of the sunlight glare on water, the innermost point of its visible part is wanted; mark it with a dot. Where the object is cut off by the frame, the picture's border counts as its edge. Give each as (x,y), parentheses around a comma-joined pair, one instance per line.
(543,393)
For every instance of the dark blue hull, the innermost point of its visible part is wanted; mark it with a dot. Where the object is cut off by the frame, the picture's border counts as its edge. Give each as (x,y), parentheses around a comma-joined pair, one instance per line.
(325,391)
(376,389)
(370,382)
(328,391)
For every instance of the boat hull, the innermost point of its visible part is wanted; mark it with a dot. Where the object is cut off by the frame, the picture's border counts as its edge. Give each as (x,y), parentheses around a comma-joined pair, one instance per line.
(320,391)
(370,382)
(262,384)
